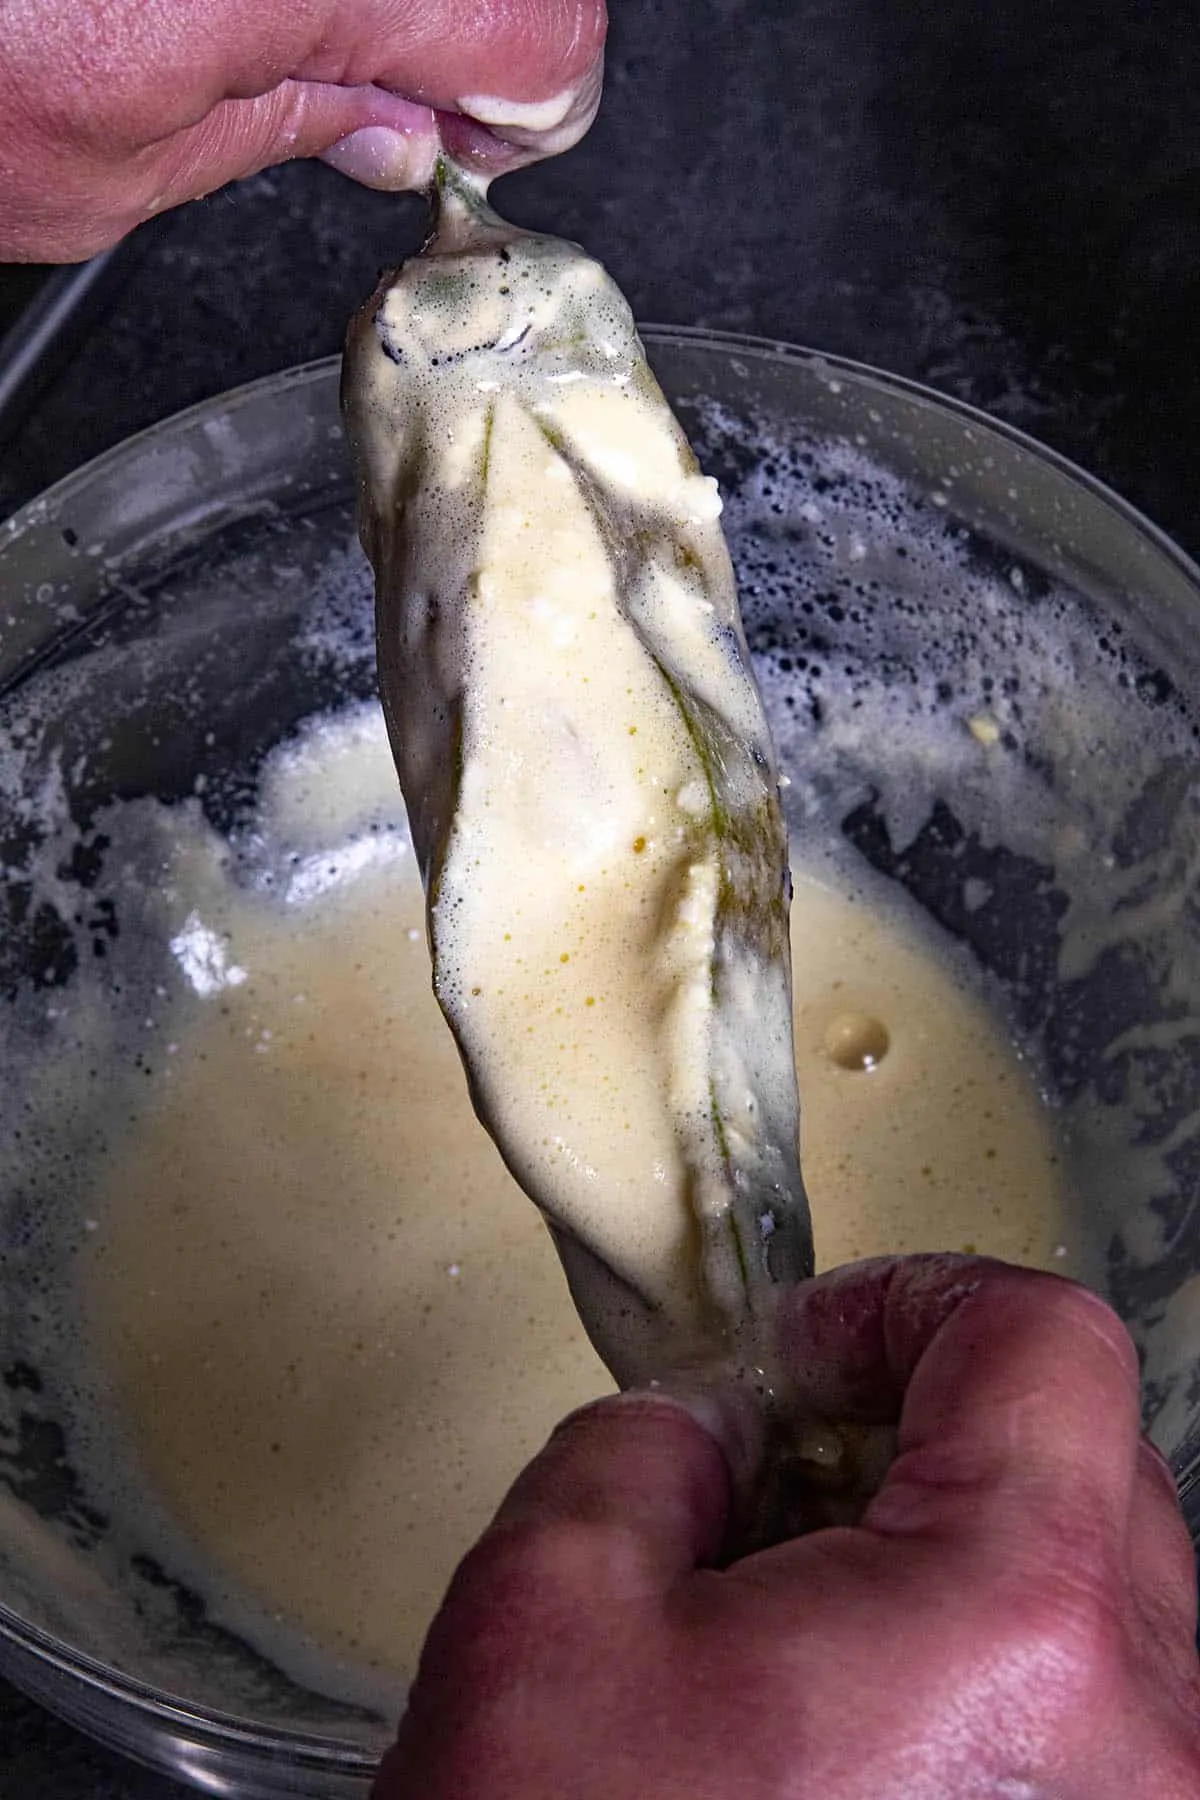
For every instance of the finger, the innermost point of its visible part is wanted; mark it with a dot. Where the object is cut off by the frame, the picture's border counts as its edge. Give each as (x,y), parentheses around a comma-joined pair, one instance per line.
(628,1495)
(631,1493)
(375,137)
(87,66)
(527,86)
(1018,1397)
(388,141)
(73,206)
(380,156)
(110,113)
(1162,1560)
(530,69)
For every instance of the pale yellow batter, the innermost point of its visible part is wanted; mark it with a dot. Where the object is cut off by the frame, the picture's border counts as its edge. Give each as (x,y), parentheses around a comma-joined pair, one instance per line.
(920,1129)
(335,1325)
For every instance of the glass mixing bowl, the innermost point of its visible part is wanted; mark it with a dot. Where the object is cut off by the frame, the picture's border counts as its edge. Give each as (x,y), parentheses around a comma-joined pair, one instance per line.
(984,672)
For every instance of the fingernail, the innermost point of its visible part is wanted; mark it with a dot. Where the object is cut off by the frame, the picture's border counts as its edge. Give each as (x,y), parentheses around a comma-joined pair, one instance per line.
(547,126)
(523,115)
(378,156)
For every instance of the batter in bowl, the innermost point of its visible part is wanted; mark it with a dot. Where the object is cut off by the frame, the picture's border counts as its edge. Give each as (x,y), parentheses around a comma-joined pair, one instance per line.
(330,1324)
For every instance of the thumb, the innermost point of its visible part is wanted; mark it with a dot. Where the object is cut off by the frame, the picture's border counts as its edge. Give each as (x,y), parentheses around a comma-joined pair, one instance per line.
(629,1495)
(73,205)
(390,141)
(634,1491)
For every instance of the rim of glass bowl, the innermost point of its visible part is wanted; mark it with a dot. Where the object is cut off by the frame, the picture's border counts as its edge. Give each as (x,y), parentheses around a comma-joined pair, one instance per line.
(51,1665)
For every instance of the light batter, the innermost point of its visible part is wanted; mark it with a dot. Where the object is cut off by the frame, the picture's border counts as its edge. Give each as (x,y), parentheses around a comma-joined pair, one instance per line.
(335,1326)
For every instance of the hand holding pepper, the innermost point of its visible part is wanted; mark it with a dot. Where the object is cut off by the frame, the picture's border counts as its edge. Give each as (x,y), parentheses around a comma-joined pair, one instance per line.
(1014,1618)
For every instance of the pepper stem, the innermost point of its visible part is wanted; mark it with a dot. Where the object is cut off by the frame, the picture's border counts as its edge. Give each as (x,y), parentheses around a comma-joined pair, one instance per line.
(461,215)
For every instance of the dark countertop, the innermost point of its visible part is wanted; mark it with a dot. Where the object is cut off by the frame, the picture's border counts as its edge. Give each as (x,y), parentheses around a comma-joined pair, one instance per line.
(1001,201)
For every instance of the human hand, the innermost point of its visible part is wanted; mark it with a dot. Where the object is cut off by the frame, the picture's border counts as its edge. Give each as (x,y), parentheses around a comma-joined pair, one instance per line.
(112,110)
(1014,1617)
